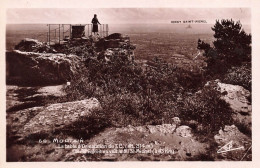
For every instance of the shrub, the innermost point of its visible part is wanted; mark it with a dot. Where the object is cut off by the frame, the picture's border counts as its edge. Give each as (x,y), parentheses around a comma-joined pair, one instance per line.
(207,109)
(128,94)
(240,75)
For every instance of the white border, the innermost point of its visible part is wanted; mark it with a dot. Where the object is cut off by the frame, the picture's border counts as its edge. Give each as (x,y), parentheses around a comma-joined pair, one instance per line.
(255,8)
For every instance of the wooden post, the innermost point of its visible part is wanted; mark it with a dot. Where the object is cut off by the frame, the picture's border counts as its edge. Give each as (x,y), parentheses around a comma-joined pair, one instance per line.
(47,38)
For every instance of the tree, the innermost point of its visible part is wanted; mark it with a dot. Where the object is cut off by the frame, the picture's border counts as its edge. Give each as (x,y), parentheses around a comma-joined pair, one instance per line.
(232,46)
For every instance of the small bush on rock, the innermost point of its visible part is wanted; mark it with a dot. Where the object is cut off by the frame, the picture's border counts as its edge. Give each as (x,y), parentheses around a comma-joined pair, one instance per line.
(239,76)
(207,109)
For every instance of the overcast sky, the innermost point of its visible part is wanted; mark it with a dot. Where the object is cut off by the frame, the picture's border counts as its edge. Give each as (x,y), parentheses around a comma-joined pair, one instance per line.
(126,15)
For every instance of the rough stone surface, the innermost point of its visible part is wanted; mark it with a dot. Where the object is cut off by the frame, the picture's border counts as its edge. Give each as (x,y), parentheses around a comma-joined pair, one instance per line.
(43,68)
(115,36)
(140,139)
(176,120)
(46,119)
(235,95)
(116,45)
(32,45)
(239,142)
(230,133)
(22,97)
(52,90)
(164,128)
(184,131)
(12,97)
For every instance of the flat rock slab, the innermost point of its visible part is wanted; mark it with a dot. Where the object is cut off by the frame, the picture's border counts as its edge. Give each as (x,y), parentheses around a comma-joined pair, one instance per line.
(46,119)
(235,95)
(21,97)
(159,141)
(56,91)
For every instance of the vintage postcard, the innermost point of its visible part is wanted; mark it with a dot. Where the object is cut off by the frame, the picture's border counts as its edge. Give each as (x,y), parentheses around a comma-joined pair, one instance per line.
(129,84)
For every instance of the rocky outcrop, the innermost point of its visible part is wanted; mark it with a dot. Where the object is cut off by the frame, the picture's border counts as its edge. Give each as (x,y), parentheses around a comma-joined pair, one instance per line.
(236,96)
(184,131)
(147,143)
(115,36)
(229,133)
(34,62)
(43,68)
(56,91)
(19,97)
(32,45)
(43,120)
(238,99)
(176,120)
(116,45)
(233,144)
(161,129)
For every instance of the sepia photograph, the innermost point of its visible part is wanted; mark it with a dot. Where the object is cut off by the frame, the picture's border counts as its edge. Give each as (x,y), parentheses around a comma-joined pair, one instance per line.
(128,84)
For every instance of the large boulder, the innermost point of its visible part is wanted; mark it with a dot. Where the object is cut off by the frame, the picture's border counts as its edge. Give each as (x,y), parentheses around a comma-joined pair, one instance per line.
(162,129)
(114,46)
(184,131)
(22,97)
(232,143)
(229,133)
(238,99)
(114,36)
(236,96)
(115,40)
(33,134)
(33,45)
(42,68)
(176,120)
(44,120)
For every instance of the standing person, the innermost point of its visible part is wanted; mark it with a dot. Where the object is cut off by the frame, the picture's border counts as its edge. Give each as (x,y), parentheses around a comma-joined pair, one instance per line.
(95,23)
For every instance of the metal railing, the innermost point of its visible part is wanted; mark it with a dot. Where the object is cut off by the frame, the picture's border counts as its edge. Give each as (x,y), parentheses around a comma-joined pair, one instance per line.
(57,33)
(102,30)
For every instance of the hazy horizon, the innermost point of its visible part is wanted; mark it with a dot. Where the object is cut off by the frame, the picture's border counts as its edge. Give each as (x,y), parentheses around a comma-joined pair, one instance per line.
(125,15)
(135,28)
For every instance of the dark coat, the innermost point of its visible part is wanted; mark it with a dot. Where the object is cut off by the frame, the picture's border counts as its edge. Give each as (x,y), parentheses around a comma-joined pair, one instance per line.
(95,23)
